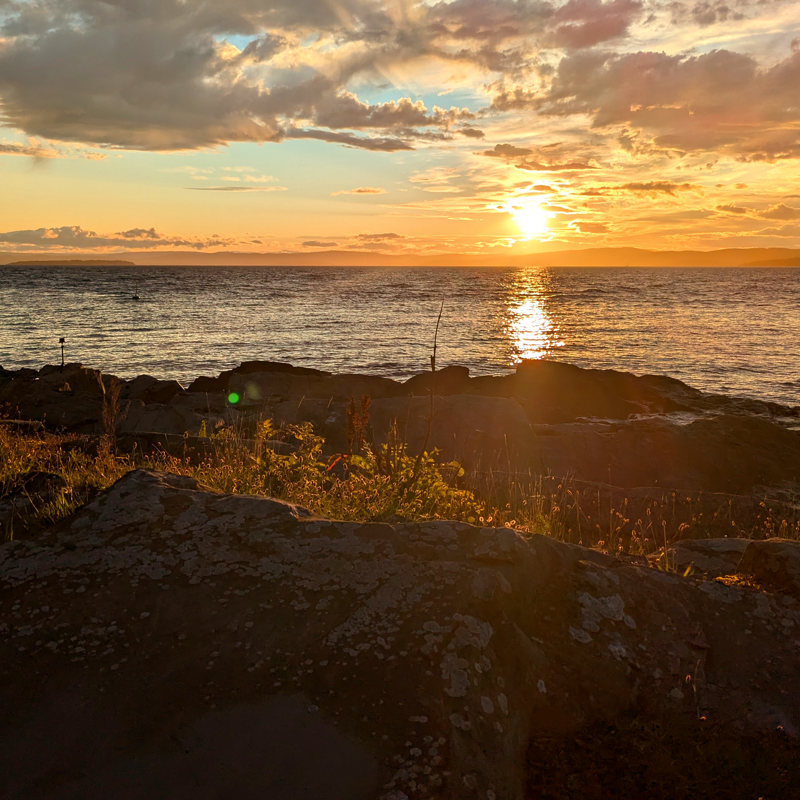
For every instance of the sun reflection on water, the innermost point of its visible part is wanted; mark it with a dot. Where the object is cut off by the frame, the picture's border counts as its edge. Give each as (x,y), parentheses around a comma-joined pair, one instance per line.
(533,331)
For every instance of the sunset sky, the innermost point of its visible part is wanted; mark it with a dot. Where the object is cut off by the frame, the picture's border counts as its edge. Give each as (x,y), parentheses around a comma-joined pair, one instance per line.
(471,126)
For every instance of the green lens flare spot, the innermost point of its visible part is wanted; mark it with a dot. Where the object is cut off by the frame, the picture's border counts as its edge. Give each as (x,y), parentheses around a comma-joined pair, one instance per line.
(233,398)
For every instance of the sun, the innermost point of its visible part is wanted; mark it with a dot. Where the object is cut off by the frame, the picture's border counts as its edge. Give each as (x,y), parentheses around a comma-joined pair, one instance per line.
(530,217)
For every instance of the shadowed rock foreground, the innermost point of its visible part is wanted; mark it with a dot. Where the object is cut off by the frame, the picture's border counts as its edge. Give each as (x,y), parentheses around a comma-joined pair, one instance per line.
(171,642)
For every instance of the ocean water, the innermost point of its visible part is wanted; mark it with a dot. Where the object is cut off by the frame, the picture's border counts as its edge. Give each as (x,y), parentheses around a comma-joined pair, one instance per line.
(735,331)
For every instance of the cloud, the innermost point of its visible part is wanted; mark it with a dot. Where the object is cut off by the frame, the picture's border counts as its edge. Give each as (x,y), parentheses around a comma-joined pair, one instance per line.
(34,149)
(585,23)
(556,166)
(360,190)
(385,145)
(718,101)
(552,162)
(589,227)
(507,151)
(436,180)
(161,76)
(654,188)
(703,13)
(730,208)
(642,188)
(164,75)
(320,244)
(779,211)
(378,237)
(236,188)
(76,238)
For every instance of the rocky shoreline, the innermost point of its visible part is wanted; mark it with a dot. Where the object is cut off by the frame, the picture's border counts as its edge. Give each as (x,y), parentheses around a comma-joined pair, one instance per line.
(171,641)
(716,464)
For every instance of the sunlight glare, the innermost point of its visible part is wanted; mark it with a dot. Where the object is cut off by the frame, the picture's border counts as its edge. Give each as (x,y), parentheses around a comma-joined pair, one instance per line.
(530,217)
(532,330)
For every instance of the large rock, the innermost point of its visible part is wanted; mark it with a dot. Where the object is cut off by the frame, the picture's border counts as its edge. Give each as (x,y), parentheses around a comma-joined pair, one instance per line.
(253,388)
(554,392)
(732,454)
(713,558)
(774,564)
(150,390)
(175,642)
(71,397)
(222,383)
(483,433)
(450,380)
(156,418)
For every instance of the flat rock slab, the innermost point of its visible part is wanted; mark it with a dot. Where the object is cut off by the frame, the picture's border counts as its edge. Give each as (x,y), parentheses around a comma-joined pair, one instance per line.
(169,641)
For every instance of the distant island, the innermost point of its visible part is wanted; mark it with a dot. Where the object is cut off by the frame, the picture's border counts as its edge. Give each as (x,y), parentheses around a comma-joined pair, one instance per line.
(73,263)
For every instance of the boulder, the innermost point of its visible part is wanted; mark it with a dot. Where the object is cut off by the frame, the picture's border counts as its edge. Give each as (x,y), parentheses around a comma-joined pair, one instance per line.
(713,558)
(257,388)
(168,638)
(554,392)
(450,380)
(207,384)
(732,454)
(773,564)
(150,390)
(483,433)
(154,418)
(70,397)
(250,367)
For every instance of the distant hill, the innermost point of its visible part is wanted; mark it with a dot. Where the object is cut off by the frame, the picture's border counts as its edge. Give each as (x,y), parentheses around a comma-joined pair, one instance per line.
(593,257)
(777,262)
(73,263)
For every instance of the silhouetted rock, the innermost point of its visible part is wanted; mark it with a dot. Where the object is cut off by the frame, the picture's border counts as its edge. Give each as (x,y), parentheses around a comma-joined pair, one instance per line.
(169,638)
(481,432)
(449,380)
(249,367)
(773,564)
(206,384)
(70,397)
(255,388)
(733,454)
(150,390)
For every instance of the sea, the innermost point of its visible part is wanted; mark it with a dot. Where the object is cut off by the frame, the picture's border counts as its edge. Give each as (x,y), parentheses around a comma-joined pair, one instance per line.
(731,331)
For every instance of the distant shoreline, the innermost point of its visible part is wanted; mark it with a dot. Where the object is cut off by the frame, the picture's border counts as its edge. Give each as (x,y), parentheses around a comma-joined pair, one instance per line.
(592,257)
(73,263)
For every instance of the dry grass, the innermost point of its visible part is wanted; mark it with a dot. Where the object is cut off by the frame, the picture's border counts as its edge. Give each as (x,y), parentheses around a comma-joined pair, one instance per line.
(45,477)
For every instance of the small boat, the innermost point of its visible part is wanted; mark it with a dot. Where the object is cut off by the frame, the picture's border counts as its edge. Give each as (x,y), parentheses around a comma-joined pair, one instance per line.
(136,292)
